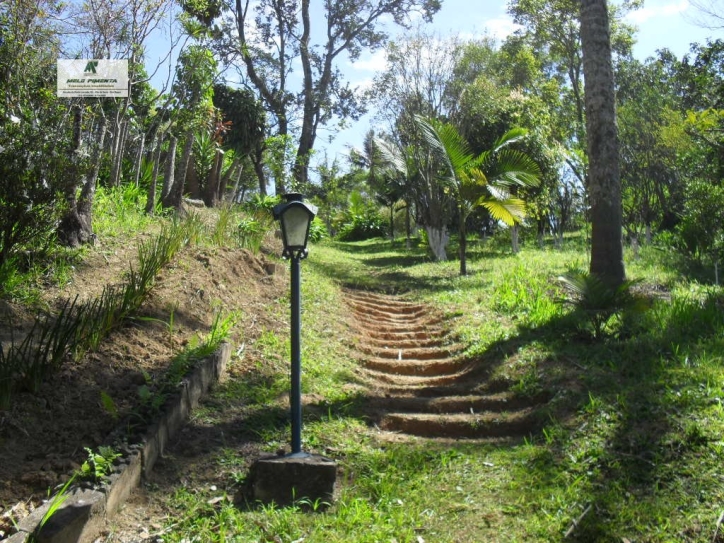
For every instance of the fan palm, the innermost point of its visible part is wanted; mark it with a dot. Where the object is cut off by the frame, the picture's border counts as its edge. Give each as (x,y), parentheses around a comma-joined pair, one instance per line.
(483,180)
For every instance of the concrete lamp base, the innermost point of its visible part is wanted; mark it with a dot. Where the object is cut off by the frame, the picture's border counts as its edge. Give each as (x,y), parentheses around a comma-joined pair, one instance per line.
(285,480)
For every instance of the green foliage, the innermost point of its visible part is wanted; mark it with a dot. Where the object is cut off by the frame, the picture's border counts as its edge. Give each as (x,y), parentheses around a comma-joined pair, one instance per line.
(596,302)
(261,202)
(55,504)
(99,464)
(247,116)
(524,293)
(193,87)
(317,230)
(357,227)
(120,211)
(701,230)
(35,136)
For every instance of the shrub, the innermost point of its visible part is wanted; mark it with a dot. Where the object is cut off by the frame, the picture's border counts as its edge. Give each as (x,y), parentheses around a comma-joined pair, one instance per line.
(595,301)
(317,230)
(358,227)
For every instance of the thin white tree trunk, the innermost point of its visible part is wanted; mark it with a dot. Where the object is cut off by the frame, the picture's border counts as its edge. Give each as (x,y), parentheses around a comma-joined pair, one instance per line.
(438,238)
(139,159)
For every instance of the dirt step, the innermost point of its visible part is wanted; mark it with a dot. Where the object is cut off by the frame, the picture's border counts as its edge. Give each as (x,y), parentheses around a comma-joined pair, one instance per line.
(475,426)
(381,299)
(391,312)
(411,381)
(374,333)
(463,385)
(427,343)
(372,326)
(434,367)
(395,352)
(470,404)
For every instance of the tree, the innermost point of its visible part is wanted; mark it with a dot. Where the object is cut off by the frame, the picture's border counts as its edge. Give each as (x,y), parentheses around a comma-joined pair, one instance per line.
(269,37)
(552,28)
(193,90)
(247,130)
(419,80)
(602,142)
(34,129)
(480,180)
(653,139)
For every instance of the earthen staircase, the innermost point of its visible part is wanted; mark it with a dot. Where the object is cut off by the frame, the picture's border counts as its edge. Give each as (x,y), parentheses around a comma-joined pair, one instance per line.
(421,384)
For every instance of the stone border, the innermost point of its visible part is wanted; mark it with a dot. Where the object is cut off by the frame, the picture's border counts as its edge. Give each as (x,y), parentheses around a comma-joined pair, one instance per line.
(83,515)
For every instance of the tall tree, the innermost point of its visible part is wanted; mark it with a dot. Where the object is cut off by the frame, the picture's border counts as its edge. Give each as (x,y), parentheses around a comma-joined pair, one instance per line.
(270,36)
(653,141)
(602,143)
(34,127)
(553,29)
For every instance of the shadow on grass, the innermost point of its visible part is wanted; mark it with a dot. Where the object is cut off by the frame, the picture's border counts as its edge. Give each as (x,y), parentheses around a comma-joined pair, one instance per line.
(612,431)
(620,437)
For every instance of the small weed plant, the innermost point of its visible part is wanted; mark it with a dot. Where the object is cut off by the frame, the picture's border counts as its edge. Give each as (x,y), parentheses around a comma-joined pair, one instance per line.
(99,463)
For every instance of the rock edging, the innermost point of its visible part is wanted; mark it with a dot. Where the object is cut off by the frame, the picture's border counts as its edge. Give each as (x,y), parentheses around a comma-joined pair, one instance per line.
(82,516)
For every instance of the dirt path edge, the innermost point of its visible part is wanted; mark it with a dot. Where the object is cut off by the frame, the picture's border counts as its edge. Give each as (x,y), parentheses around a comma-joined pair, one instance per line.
(82,516)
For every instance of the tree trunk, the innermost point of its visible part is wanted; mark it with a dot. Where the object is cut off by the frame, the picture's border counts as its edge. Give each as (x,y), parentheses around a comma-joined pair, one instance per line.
(602,140)
(258,162)
(463,246)
(151,200)
(177,190)
(408,226)
(168,178)
(119,145)
(139,159)
(437,238)
(514,238)
(76,227)
(392,222)
(211,192)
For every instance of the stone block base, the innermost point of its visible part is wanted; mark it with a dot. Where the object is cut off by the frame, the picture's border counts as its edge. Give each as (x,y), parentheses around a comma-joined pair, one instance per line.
(285,480)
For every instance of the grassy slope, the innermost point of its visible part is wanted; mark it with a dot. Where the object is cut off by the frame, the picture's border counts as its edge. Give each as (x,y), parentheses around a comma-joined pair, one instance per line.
(634,444)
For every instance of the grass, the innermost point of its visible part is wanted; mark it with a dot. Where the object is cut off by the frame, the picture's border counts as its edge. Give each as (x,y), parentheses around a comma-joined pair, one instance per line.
(633,447)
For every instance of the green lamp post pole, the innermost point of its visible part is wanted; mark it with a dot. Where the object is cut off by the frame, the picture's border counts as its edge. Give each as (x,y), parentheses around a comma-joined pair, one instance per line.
(295,217)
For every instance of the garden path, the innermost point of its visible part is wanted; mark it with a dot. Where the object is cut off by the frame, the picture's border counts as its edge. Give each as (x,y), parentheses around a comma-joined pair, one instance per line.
(422,384)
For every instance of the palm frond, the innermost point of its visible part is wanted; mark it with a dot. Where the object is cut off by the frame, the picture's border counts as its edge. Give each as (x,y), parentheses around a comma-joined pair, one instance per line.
(511,136)
(510,211)
(391,155)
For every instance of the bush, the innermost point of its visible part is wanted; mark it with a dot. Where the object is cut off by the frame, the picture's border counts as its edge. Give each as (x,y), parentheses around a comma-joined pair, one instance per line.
(317,230)
(359,227)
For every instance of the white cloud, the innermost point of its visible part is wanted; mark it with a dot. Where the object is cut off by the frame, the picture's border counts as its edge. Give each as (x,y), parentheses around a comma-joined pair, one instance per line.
(501,27)
(654,10)
(376,62)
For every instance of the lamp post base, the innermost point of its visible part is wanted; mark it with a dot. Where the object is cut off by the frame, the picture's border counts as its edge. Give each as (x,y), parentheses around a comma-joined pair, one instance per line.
(285,480)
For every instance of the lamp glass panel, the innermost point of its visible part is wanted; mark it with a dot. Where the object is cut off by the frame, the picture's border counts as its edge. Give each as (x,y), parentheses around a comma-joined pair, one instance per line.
(295,222)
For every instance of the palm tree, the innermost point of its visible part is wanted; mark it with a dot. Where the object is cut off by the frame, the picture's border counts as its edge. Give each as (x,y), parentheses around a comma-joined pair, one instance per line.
(602,139)
(480,180)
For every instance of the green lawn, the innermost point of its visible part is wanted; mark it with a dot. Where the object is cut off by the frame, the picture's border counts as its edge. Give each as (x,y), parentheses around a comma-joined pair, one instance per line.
(633,448)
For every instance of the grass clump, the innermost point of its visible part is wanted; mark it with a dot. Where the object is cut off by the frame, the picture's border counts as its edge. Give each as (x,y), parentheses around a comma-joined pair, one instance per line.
(79,326)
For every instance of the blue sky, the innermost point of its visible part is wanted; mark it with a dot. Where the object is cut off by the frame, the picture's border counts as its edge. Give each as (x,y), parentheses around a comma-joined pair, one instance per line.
(661,24)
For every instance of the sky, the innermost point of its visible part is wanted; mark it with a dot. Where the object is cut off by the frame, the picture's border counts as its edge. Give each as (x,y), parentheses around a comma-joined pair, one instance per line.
(661,24)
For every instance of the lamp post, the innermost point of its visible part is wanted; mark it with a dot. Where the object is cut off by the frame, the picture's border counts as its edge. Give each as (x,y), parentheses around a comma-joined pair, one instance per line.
(295,217)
